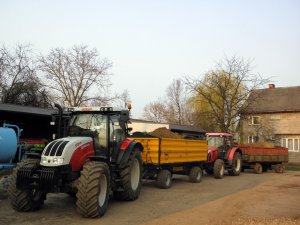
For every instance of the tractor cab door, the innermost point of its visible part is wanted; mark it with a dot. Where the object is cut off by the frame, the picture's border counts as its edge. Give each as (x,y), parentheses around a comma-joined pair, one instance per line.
(228,144)
(117,135)
(226,147)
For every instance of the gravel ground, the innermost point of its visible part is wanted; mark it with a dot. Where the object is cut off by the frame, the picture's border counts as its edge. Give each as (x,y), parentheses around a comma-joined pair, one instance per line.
(267,198)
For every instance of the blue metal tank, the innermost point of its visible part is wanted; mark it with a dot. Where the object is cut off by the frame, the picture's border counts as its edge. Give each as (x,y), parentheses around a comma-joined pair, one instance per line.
(8,144)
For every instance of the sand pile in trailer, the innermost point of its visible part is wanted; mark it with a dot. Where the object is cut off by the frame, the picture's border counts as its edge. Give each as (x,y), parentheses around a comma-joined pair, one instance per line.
(163,132)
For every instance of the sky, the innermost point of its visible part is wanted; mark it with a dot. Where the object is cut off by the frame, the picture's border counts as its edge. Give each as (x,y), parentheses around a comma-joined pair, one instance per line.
(151,43)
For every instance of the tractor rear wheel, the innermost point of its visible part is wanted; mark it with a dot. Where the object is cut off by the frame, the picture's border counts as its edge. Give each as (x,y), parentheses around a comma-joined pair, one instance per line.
(164,179)
(131,178)
(236,165)
(93,189)
(195,174)
(24,200)
(258,168)
(219,169)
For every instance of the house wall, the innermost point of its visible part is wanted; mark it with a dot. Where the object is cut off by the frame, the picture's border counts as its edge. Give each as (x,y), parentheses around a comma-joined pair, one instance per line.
(279,128)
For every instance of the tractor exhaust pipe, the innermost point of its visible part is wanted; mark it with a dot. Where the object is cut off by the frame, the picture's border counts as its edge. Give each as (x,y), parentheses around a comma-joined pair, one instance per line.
(60,112)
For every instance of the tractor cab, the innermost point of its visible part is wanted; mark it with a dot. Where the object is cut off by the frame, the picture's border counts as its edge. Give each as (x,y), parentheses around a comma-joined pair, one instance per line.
(223,142)
(106,126)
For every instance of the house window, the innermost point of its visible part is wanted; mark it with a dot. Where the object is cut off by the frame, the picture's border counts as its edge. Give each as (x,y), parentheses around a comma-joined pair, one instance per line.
(275,117)
(291,143)
(252,139)
(254,120)
(296,144)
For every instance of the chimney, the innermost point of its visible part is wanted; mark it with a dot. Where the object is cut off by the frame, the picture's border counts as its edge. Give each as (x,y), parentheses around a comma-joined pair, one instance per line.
(271,86)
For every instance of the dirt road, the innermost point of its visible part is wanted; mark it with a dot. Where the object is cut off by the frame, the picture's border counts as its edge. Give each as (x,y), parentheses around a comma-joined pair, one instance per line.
(247,199)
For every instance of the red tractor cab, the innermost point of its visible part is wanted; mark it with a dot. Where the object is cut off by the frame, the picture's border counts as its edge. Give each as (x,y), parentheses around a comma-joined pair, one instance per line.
(222,155)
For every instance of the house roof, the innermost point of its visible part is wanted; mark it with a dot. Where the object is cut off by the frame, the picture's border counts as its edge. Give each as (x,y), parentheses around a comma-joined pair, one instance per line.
(272,100)
(25,109)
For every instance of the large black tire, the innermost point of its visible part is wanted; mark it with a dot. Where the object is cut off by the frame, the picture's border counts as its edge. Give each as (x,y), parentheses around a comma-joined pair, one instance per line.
(195,174)
(236,166)
(219,169)
(164,179)
(258,168)
(131,178)
(24,200)
(93,189)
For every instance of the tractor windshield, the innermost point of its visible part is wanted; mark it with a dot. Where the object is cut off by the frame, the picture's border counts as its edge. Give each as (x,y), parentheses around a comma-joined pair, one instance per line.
(215,141)
(88,124)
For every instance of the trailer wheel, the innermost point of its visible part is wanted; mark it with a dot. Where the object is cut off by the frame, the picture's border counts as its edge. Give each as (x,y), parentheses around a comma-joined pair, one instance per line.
(279,168)
(24,200)
(236,165)
(131,178)
(164,179)
(258,168)
(219,169)
(93,189)
(195,174)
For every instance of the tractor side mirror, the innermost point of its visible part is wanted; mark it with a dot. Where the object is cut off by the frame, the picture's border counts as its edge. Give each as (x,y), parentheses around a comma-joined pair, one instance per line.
(53,119)
(123,119)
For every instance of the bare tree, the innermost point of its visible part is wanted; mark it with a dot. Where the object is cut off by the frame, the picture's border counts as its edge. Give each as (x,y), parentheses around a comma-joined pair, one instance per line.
(177,102)
(77,75)
(155,111)
(123,99)
(226,89)
(19,83)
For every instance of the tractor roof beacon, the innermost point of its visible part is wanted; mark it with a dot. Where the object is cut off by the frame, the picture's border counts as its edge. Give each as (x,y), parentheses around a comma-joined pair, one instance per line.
(92,158)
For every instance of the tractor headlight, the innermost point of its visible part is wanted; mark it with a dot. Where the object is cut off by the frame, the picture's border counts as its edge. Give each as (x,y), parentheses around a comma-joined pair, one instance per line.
(43,160)
(58,161)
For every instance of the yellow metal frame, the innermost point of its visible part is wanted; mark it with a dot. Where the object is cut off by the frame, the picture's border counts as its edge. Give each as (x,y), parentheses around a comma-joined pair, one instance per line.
(169,150)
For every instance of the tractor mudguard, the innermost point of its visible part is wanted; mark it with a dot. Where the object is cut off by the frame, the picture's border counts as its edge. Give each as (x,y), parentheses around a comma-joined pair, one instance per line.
(125,154)
(212,154)
(231,153)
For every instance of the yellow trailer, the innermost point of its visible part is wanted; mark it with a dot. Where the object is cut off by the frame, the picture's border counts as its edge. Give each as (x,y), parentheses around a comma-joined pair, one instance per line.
(166,156)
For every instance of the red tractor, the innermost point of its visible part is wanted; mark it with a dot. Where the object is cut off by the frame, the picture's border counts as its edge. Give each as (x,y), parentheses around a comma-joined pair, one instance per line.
(93,160)
(222,155)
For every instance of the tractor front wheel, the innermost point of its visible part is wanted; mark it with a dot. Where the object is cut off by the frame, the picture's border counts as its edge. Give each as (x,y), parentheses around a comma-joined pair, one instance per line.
(131,178)
(93,189)
(24,200)
(219,169)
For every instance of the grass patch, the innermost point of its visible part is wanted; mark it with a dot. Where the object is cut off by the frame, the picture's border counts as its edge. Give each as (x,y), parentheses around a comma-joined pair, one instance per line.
(293,167)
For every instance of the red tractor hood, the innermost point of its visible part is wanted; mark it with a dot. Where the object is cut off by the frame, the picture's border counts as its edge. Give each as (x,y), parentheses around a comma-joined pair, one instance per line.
(211,149)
